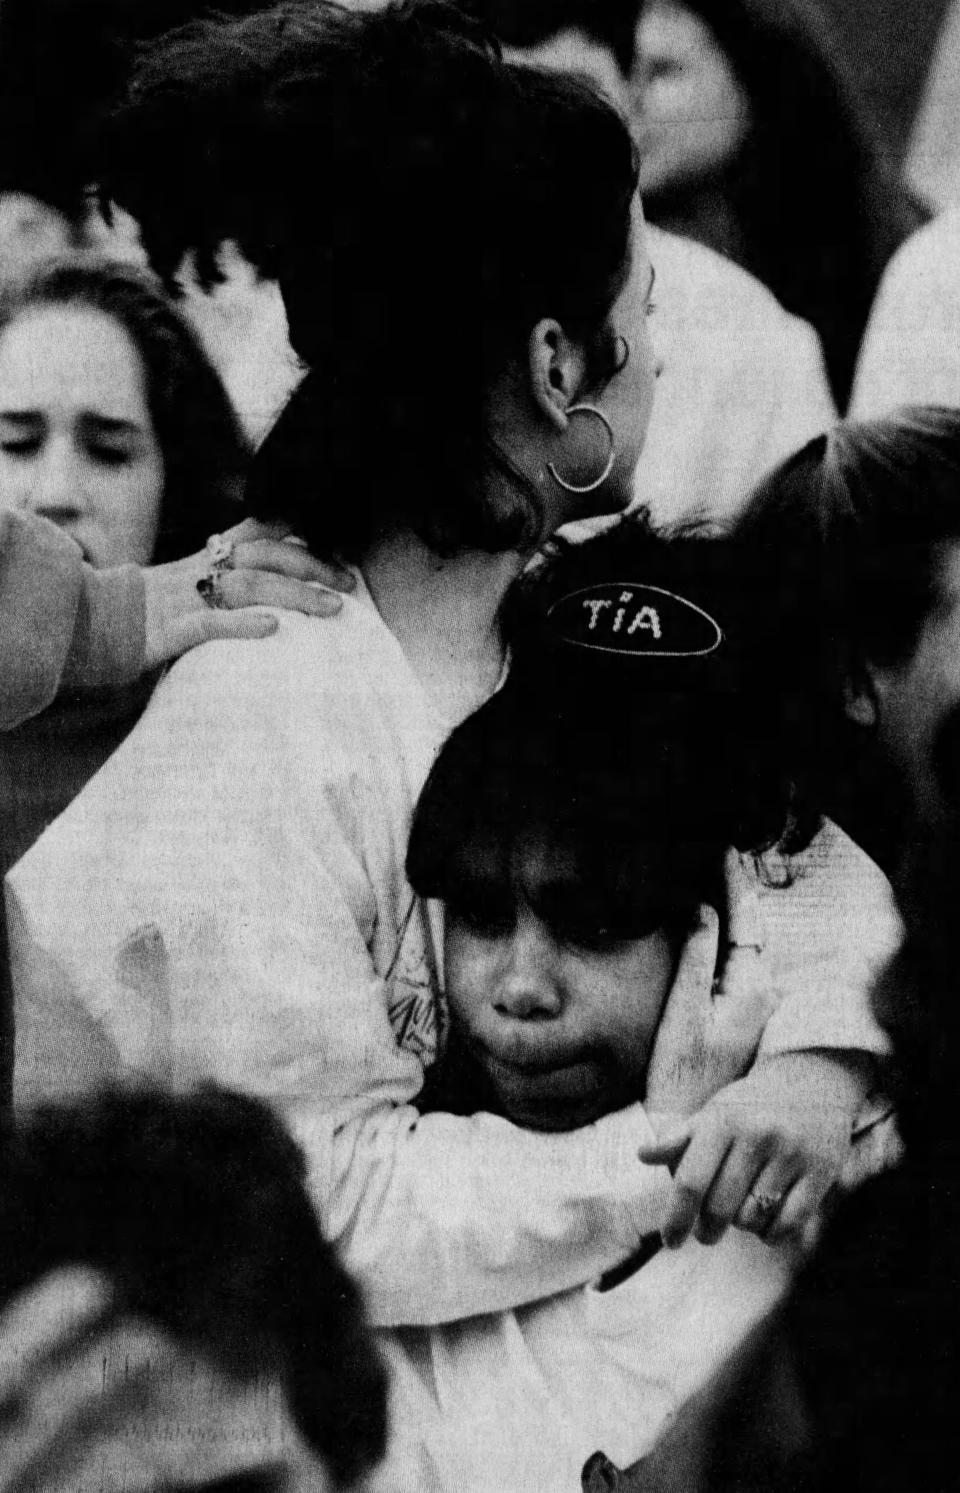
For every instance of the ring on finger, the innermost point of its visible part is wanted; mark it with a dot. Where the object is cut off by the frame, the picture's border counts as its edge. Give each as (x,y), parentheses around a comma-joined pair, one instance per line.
(766,1203)
(210,589)
(219,554)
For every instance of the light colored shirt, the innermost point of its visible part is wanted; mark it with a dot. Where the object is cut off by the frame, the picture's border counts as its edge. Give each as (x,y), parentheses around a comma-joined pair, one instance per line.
(521,1399)
(911,348)
(744,385)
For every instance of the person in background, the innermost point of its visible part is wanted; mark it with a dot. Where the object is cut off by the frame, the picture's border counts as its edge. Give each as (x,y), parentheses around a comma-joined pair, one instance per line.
(911,349)
(753,143)
(853,546)
(115,428)
(162,1266)
(932,164)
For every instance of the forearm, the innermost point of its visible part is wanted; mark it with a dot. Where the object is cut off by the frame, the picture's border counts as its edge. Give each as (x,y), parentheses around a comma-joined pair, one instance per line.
(442,1217)
(840,1080)
(61,623)
(108,644)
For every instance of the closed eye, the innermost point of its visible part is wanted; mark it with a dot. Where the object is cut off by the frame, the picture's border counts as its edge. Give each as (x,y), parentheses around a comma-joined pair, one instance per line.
(110,456)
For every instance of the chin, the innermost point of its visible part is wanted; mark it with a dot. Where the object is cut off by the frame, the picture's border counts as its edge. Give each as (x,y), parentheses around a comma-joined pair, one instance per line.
(555,1119)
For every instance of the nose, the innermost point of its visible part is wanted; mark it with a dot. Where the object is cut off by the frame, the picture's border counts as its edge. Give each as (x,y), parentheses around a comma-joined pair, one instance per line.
(56,491)
(528,987)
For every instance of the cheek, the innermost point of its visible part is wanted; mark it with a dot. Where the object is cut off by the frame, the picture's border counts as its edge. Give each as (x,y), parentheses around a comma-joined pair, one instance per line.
(135,508)
(468,974)
(14,481)
(637,992)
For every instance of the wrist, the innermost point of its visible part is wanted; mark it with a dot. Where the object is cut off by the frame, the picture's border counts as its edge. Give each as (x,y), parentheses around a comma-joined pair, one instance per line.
(840,1078)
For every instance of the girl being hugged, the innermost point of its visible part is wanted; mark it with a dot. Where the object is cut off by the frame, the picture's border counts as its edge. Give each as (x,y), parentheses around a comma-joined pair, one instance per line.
(619,852)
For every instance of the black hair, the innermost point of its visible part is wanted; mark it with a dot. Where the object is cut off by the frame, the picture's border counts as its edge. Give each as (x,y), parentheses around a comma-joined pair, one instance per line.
(845,541)
(418,199)
(195,1209)
(61,65)
(645,769)
(205,453)
(524,23)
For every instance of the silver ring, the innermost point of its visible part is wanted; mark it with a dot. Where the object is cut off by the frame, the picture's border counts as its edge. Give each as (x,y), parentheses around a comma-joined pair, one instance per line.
(219,551)
(219,554)
(766,1203)
(209,588)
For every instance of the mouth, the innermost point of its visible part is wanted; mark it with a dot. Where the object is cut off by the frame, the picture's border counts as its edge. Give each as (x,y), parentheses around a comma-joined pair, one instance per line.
(547,1096)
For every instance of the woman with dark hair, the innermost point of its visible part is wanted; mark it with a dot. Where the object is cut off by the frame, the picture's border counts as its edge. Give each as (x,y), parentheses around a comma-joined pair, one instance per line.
(115,427)
(854,544)
(751,141)
(243,907)
(201,454)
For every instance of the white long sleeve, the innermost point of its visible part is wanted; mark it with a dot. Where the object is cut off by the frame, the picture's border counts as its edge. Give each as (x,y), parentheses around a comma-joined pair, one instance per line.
(226,901)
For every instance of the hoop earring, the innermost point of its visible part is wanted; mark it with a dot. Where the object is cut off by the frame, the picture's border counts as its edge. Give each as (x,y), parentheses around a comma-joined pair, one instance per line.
(588,409)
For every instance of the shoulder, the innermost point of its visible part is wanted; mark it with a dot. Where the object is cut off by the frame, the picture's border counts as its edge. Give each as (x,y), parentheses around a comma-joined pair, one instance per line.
(830,888)
(699,282)
(930,253)
(909,353)
(309,671)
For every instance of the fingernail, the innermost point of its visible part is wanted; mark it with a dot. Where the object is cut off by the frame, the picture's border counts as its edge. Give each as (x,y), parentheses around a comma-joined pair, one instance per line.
(327,604)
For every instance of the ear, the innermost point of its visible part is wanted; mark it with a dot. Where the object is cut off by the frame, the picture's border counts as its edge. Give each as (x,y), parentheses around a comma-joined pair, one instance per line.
(555,368)
(862,698)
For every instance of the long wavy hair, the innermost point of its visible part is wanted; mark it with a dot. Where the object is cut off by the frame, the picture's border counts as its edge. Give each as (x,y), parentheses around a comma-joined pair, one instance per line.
(820,211)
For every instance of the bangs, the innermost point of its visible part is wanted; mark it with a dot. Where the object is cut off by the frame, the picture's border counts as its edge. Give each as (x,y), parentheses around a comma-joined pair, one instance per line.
(580,869)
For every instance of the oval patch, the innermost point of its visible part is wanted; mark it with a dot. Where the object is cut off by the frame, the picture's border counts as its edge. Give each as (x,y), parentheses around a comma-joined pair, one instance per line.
(634,619)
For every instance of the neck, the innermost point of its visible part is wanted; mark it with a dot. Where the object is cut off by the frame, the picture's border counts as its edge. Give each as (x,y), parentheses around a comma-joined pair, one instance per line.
(444,613)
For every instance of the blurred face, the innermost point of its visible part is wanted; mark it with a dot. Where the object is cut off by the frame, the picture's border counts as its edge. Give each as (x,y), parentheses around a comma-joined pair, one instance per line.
(688,113)
(914,697)
(183,1425)
(77,443)
(30,231)
(559,1010)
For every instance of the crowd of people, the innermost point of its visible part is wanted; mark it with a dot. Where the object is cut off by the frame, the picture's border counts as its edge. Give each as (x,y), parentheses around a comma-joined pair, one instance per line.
(478,772)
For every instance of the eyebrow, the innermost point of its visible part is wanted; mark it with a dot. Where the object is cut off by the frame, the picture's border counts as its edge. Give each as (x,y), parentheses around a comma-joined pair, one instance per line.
(90,420)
